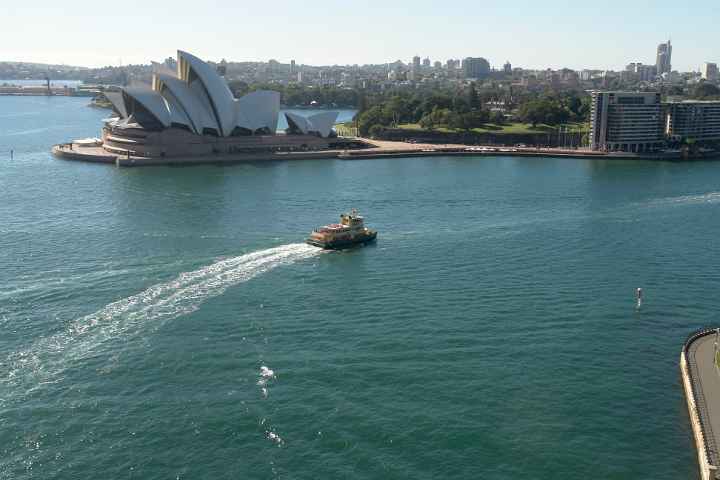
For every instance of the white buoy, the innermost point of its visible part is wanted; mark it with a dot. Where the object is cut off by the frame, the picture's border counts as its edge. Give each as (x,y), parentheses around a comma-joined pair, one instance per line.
(639,295)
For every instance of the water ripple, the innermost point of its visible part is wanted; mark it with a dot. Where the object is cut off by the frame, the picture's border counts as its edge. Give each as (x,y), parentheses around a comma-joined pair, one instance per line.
(46,360)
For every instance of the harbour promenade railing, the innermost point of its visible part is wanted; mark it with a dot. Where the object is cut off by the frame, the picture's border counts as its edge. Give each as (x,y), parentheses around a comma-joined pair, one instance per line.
(711,447)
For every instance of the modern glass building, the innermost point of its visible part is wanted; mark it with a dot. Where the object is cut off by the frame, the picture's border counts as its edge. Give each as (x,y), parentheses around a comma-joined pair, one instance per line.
(626,122)
(693,120)
(476,67)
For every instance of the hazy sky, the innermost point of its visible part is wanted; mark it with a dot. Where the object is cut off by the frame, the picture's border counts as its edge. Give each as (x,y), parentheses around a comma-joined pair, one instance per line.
(531,34)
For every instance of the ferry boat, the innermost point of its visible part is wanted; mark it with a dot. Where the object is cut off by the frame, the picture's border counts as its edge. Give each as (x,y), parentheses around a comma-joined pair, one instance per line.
(349,232)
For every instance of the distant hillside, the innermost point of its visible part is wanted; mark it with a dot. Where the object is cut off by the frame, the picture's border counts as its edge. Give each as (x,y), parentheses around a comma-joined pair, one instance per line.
(38,71)
(40,65)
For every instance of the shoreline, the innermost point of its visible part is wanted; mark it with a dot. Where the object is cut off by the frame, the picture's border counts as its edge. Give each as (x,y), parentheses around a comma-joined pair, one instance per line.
(377,150)
(697,407)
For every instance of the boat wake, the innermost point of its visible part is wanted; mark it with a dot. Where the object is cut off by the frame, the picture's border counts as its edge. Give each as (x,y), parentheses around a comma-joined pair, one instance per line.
(710,197)
(46,359)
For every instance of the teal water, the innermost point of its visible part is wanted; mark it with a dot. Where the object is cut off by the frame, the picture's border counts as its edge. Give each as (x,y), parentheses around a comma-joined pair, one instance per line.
(169,323)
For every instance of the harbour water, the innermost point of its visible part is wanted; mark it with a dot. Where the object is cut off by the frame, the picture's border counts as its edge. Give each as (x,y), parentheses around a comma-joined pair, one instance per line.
(170,323)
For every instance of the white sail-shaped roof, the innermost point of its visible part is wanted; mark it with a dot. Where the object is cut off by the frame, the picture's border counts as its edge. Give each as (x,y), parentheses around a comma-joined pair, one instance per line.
(198,113)
(152,101)
(221,99)
(198,98)
(297,121)
(322,123)
(178,116)
(259,109)
(116,98)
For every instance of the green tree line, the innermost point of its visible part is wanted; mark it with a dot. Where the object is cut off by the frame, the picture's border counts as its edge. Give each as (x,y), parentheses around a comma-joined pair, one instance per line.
(469,108)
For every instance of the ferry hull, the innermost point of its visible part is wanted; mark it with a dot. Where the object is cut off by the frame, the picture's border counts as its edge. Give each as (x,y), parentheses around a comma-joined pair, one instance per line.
(342,244)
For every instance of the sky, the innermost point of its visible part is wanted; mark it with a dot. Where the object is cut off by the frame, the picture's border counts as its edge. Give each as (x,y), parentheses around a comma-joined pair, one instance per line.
(530,34)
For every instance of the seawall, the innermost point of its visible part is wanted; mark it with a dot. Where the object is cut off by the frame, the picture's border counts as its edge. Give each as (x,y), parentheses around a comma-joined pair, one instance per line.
(98,155)
(378,149)
(698,409)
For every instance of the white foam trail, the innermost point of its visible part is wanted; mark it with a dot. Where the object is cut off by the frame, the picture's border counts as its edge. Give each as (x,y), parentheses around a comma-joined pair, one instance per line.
(27,132)
(710,197)
(265,376)
(274,437)
(47,358)
(23,287)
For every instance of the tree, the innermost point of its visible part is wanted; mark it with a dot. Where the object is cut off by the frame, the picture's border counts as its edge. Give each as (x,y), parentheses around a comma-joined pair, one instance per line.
(456,121)
(396,109)
(531,112)
(674,90)
(583,112)
(238,88)
(546,110)
(371,117)
(476,118)
(362,104)
(376,131)
(473,99)
(427,122)
(498,118)
(438,116)
(460,104)
(706,90)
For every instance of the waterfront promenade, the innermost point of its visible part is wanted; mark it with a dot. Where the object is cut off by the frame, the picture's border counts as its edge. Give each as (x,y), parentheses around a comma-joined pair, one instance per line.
(701,380)
(374,149)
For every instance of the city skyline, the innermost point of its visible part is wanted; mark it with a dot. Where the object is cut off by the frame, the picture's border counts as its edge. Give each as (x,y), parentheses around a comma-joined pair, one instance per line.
(537,38)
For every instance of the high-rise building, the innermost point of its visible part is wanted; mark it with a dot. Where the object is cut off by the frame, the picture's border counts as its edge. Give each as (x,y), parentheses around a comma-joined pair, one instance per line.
(437,65)
(476,67)
(646,73)
(426,62)
(626,121)
(452,64)
(507,68)
(222,68)
(710,71)
(416,62)
(292,67)
(171,63)
(663,59)
(694,120)
(640,72)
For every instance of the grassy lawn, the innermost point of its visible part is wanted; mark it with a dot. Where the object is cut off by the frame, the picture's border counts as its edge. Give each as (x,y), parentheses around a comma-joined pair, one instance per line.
(508,128)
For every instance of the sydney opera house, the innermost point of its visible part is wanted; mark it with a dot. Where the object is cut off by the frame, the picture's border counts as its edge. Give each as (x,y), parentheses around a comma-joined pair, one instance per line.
(192,112)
